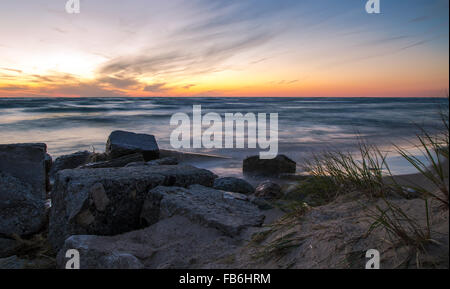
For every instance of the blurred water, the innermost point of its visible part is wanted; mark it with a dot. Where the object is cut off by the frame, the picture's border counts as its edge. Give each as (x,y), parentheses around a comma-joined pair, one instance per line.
(305,124)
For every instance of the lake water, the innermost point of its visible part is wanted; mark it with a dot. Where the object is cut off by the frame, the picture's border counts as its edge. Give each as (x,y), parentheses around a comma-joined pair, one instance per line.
(306,125)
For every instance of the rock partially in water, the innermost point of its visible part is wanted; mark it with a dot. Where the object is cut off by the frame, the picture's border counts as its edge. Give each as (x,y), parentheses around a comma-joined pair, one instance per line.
(108,201)
(232,184)
(205,206)
(26,162)
(122,143)
(22,212)
(268,190)
(268,167)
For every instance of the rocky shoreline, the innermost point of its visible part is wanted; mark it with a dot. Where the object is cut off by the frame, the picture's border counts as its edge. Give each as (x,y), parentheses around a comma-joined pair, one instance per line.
(136,206)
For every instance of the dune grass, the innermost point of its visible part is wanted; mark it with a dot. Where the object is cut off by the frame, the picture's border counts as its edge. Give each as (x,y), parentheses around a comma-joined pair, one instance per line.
(367,172)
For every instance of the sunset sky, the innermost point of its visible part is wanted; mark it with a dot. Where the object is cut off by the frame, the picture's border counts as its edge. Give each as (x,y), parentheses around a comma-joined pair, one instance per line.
(224,48)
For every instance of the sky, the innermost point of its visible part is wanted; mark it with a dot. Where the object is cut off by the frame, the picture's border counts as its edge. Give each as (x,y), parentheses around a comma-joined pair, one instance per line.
(302,48)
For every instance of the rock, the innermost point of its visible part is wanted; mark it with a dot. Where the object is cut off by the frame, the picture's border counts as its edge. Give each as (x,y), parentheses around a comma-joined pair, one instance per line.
(172,243)
(268,190)
(268,167)
(136,164)
(48,166)
(115,163)
(108,201)
(233,185)
(70,161)
(261,203)
(170,161)
(14,262)
(122,143)
(27,163)
(21,211)
(7,247)
(201,205)
(164,161)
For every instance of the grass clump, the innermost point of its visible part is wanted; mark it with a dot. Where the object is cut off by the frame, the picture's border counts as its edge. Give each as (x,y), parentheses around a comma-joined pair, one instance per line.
(347,172)
(315,191)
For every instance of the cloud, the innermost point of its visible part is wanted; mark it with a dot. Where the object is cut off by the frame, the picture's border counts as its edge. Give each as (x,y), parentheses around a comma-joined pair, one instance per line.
(119,82)
(11,69)
(188,86)
(156,87)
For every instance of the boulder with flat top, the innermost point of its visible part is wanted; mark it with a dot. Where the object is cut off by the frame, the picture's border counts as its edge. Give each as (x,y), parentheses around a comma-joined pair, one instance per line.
(122,143)
(26,162)
(268,167)
(108,201)
(205,206)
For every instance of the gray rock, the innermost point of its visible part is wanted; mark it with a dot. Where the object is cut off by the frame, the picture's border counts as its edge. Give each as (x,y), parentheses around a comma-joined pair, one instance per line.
(261,203)
(268,167)
(170,161)
(70,161)
(7,247)
(202,205)
(108,201)
(27,163)
(21,211)
(164,161)
(12,263)
(268,190)
(173,243)
(48,167)
(233,185)
(122,143)
(115,163)
(136,164)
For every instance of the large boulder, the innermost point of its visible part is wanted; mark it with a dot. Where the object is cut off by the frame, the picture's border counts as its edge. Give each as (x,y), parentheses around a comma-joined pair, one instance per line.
(108,201)
(268,167)
(232,184)
(172,243)
(122,143)
(22,212)
(205,206)
(27,162)
(70,161)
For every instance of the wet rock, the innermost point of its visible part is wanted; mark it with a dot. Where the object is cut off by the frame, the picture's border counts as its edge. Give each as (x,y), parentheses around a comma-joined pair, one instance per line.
(108,201)
(205,206)
(268,190)
(268,167)
(233,185)
(70,161)
(115,163)
(122,143)
(21,211)
(27,163)
(172,243)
